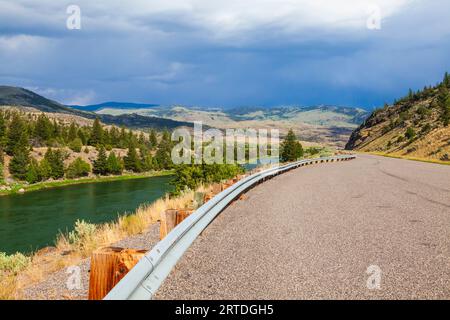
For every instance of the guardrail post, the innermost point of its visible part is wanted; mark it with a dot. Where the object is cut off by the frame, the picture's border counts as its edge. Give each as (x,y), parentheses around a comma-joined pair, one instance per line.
(168,222)
(182,214)
(108,266)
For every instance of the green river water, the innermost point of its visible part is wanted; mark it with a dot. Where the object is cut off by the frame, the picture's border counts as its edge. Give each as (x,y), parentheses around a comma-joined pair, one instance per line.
(32,220)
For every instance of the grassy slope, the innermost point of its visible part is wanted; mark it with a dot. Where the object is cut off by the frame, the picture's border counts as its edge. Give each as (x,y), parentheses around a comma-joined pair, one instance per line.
(432,140)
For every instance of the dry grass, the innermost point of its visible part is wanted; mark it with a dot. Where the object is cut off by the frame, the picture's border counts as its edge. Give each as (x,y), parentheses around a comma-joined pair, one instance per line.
(72,248)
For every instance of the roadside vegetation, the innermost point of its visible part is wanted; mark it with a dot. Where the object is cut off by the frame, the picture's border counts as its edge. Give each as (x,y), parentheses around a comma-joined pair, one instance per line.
(18,271)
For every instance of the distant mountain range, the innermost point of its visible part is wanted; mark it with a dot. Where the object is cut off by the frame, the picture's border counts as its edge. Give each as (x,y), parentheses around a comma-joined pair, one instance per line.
(323,124)
(114,105)
(20,97)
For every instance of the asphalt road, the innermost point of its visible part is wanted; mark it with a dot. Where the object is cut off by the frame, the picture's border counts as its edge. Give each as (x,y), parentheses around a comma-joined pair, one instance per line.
(313,232)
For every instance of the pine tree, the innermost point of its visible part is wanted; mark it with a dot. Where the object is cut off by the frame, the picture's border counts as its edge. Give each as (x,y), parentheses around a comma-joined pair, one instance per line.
(100,164)
(43,129)
(96,138)
(55,160)
(18,165)
(2,129)
(153,139)
(45,170)
(114,164)
(33,172)
(131,160)
(78,168)
(17,135)
(444,103)
(163,158)
(446,81)
(291,149)
(73,132)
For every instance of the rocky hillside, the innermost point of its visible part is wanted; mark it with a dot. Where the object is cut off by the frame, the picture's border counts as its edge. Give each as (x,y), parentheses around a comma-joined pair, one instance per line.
(415,126)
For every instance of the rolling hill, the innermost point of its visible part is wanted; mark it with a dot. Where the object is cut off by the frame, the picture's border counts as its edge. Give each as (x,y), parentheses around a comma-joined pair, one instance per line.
(23,98)
(329,125)
(416,126)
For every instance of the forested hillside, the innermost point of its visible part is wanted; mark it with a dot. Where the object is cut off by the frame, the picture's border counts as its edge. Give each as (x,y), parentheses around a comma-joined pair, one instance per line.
(35,148)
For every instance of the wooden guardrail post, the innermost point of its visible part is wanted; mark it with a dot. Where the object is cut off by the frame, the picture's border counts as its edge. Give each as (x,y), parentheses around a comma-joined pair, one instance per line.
(183,214)
(168,222)
(108,266)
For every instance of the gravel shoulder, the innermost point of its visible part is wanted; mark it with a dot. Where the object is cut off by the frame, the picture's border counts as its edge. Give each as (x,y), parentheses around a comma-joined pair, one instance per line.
(55,286)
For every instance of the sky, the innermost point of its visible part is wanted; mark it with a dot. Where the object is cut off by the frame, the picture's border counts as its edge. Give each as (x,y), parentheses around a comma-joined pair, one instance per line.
(230,53)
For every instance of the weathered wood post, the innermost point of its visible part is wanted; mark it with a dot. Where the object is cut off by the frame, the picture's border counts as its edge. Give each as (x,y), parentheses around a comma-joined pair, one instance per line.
(168,222)
(183,214)
(108,266)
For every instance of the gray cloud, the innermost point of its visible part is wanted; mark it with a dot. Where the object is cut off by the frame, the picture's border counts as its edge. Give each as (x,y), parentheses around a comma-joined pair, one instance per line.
(224,52)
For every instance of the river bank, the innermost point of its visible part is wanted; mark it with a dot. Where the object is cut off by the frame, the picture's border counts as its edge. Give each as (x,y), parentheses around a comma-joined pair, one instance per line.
(72,249)
(16,187)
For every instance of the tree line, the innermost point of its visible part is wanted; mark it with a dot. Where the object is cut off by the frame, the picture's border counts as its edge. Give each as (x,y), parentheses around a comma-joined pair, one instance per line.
(21,132)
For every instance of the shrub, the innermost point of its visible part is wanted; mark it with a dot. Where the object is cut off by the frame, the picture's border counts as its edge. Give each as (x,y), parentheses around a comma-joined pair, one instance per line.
(83,235)
(76,145)
(114,164)
(78,168)
(33,173)
(13,263)
(410,133)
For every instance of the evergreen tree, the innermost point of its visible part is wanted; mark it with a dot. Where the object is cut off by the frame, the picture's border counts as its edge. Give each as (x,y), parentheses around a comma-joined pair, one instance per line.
(82,136)
(17,135)
(153,139)
(78,168)
(33,173)
(123,141)
(131,160)
(18,165)
(114,137)
(44,128)
(446,81)
(114,164)
(163,158)
(76,145)
(2,129)
(55,160)
(444,103)
(96,138)
(100,164)
(142,141)
(45,170)
(291,149)
(56,130)
(146,160)
(73,132)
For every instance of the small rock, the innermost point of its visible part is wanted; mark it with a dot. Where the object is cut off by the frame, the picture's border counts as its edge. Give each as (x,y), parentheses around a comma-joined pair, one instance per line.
(21,190)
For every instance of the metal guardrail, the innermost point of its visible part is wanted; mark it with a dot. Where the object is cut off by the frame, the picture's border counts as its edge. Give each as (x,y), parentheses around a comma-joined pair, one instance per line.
(142,282)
